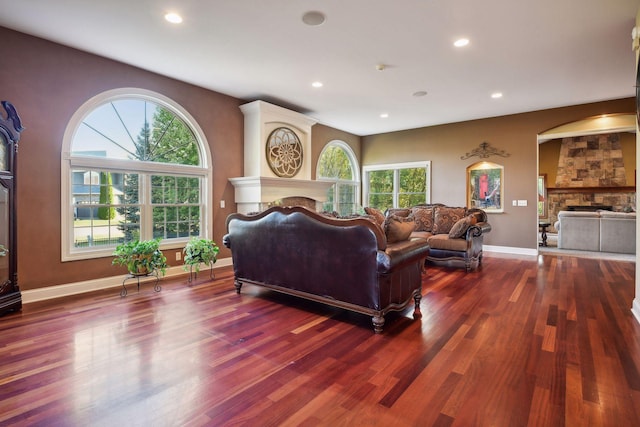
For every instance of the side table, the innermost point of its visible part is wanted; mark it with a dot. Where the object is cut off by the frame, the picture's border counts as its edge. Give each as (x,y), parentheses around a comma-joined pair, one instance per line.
(543,227)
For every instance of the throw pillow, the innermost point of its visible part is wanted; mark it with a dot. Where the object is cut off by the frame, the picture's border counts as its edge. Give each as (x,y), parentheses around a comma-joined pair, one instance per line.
(403,212)
(423,218)
(445,217)
(397,229)
(461,226)
(376,213)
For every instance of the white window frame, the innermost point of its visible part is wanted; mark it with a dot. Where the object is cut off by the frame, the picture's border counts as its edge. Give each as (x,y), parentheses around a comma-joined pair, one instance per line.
(396,167)
(355,167)
(145,169)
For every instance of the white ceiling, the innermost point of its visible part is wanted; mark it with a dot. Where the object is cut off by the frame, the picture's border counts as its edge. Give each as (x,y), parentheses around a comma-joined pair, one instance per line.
(539,53)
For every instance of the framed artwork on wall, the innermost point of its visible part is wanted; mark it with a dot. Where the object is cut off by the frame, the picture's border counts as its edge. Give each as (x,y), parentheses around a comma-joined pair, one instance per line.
(542,196)
(485,184)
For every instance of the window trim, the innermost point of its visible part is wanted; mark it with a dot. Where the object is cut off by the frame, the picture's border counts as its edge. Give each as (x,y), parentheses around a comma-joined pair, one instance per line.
(396,178)
(69,162)
(355,168)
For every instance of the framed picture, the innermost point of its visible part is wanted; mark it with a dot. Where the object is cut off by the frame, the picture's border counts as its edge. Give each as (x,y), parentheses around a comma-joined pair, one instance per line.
(542,196)
(485,183)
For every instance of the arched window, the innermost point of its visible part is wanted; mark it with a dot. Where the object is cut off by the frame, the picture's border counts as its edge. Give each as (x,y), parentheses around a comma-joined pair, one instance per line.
(134,166)
(338,163)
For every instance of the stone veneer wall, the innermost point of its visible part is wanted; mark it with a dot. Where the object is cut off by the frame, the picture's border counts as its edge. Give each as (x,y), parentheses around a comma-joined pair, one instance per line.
(591,161)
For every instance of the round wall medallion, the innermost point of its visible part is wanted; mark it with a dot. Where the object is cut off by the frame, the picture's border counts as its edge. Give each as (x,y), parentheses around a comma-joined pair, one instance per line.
(284,152)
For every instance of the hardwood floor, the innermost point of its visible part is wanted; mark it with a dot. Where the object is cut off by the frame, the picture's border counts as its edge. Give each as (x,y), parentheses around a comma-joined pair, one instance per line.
(521,341)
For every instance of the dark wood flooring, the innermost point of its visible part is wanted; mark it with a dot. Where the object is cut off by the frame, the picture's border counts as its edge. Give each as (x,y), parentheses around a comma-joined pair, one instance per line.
(520,342)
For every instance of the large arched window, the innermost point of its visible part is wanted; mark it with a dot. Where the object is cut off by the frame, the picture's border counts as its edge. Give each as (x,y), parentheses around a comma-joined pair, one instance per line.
(134,166)
(338,163)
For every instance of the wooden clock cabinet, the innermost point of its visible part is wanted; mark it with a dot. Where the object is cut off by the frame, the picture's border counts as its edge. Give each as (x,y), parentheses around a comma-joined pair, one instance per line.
(10,128)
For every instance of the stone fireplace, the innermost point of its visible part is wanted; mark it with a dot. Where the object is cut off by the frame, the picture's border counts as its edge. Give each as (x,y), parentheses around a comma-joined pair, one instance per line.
(267,178)
(591,174)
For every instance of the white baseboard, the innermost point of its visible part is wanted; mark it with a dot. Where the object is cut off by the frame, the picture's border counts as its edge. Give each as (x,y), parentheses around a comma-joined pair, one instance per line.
(635,308)
(509,250)
(57,291)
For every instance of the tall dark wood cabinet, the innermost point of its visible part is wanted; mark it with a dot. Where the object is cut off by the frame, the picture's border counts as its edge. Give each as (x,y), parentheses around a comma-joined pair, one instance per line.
(10,128)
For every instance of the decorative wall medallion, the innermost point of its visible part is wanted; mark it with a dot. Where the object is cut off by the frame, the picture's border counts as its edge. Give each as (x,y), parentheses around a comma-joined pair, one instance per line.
(484,151)
(284,152)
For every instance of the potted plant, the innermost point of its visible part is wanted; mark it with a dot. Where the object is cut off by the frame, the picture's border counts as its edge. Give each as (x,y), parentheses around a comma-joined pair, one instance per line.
(199,251)
(141,257)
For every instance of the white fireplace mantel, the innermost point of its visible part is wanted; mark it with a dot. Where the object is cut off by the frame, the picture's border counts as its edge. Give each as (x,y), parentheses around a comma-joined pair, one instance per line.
(251,192)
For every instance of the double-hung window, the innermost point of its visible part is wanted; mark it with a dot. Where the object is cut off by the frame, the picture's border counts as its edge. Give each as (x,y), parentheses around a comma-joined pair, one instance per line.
(134,167)
(397,185)
(337,163)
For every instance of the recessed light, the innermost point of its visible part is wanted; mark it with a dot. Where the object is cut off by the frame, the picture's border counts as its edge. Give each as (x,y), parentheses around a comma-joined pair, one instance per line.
(496,95)
(461,42)
(384,115)
(172,17)
(316,84)
(420,93)
(313,18)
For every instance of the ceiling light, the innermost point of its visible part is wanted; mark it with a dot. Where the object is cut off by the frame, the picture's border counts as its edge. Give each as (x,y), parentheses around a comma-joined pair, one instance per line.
(316,84)
(174,18)
(461,42)
(496,95)
(313,18)
(384,115)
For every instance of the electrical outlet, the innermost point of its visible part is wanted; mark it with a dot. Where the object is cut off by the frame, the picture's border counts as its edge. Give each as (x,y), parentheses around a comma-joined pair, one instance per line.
(222,204)
(178,256)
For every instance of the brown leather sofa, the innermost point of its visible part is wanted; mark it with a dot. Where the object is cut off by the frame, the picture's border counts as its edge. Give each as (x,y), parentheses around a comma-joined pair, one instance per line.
(454,234)
(345,263)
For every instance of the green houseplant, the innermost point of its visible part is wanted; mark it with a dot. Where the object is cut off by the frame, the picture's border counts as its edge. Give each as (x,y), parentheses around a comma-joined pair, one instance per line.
(199,251)
(141,257)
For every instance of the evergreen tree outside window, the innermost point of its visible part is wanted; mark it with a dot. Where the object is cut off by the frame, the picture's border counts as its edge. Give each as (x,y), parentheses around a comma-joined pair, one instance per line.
(151,161)
(397,185)
(337,163)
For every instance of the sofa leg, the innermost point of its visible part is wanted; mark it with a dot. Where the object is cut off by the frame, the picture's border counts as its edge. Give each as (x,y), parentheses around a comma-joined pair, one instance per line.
(416,309)
(238,286)
(378,323)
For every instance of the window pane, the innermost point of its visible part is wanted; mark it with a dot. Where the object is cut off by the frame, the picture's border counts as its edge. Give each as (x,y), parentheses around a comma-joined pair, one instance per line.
(335,163)
(176,211)
(346,199)
(413,187)
(136,129)
(381,189)
(100,208)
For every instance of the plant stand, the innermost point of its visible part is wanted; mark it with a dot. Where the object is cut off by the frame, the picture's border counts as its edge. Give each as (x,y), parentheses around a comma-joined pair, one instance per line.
(156,285)
(193,275)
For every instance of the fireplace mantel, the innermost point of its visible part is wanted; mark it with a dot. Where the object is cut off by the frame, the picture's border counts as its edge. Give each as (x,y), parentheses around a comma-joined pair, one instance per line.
(570,190)
(251,192)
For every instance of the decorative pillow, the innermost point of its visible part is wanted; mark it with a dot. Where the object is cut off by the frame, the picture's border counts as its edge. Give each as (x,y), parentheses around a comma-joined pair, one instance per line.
(461,226)
(423,218)
(376,213)
(445,217)
(403,212)
(397,229)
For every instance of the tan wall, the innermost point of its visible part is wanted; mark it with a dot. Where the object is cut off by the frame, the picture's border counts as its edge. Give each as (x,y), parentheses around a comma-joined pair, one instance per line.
(516,134)
(47,83)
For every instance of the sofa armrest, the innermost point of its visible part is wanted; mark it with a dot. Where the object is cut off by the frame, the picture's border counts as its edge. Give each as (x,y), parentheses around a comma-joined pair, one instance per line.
(400,253)
(477,230)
